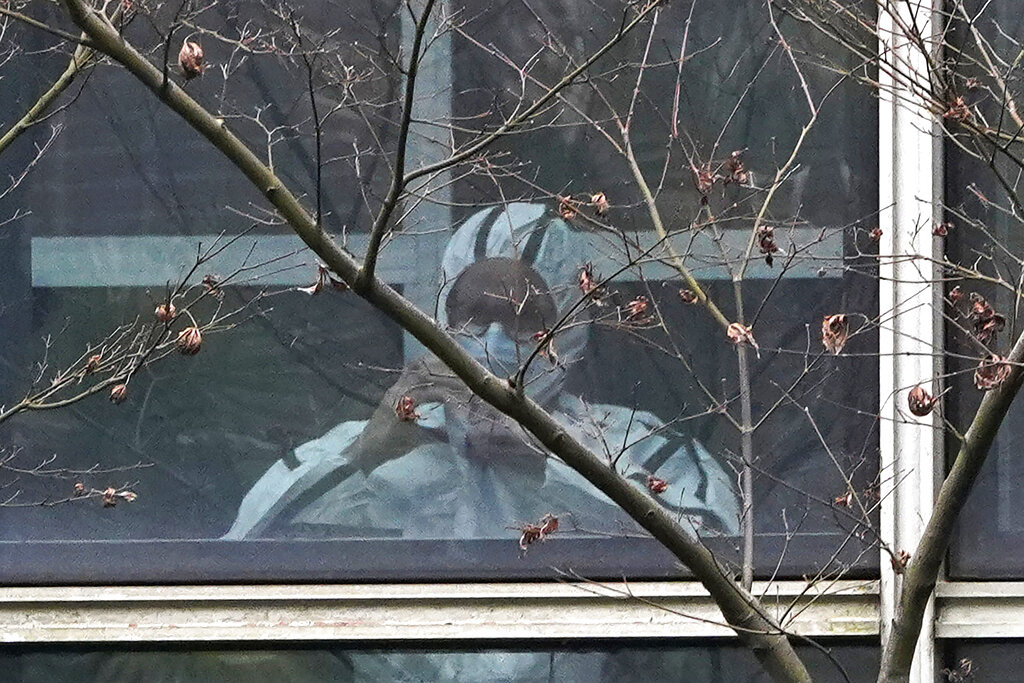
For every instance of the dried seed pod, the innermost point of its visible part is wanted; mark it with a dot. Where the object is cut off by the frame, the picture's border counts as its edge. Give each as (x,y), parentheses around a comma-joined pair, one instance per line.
(93,363)
(704,179)
(405,409)
(190,59)
(165,312)
(766,243)
(587,282)
(688,296)
(323,279)
(586,279)
(737,174)
(875,235)
(844,501)
(942,229)
(79,489)
(835,330)
(920,401)
(529,535)
(961,673)
(548,350)
(600,203)
(739,333)
(987,323)
(119,393)
(190,340)
(566,208)
(958,110)
(899,561)
(991,372)
(656,484)
(109,497)
(548,524)
(636,311)
(956,295)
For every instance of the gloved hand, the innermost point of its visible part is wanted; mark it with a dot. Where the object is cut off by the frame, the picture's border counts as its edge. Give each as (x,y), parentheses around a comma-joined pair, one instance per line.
(442,409)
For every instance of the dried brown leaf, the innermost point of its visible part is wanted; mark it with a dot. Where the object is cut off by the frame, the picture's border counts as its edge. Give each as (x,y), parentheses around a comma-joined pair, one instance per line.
(835,330)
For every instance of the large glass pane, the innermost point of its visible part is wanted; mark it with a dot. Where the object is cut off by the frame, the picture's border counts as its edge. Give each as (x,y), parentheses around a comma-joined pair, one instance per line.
(968,660)
(987,238)
(314,439)
(710,662)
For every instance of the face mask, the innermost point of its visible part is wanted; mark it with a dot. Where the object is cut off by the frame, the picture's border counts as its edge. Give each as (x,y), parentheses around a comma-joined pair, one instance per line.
(495,349)
(499,352)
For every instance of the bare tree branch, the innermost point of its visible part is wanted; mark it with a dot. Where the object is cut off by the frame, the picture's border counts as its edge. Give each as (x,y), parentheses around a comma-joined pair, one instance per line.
(81,59)
(398,180)
(923,569)
(754,624)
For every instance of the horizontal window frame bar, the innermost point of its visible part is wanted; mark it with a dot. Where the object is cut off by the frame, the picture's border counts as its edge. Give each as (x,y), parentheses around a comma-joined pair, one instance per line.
(415,612)
(474,611)
(979,609)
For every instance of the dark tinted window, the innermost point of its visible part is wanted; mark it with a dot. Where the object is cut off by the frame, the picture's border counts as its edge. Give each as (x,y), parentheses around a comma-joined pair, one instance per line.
(285,450)
(612,662)
(976,661)
(986,238)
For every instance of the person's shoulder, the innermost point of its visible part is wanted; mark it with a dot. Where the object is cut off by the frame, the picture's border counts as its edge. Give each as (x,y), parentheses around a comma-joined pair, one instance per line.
(330,444)
(271,488)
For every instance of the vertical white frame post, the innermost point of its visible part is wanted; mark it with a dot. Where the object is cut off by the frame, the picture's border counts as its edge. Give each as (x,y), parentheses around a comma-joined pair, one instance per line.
(909,203)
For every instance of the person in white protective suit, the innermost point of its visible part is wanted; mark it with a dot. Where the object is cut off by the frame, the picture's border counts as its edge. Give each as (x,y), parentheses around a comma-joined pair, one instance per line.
(456,468)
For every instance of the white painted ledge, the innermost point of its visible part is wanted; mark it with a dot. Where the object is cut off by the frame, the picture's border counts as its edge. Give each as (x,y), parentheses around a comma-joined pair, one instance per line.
(412,612)
(979,609)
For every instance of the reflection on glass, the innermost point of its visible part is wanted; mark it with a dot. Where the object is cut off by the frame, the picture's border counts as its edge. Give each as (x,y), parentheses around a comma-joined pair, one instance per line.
(448,466)
(984,235)
(319,422)
(610,663)
(976,660)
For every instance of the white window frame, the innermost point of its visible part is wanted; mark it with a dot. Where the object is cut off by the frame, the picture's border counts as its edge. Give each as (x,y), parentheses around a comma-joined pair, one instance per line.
(910,194)
(910,190)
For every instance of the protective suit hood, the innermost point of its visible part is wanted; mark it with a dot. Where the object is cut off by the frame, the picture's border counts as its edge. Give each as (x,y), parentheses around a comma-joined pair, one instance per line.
(535,238)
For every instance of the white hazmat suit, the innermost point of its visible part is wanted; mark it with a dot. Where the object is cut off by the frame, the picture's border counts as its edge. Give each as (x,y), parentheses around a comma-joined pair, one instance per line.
(459,469)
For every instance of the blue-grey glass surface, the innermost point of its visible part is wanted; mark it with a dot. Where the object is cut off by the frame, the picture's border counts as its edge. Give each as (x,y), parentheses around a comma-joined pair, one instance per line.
(989,239)
(708,663)
(284,428)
